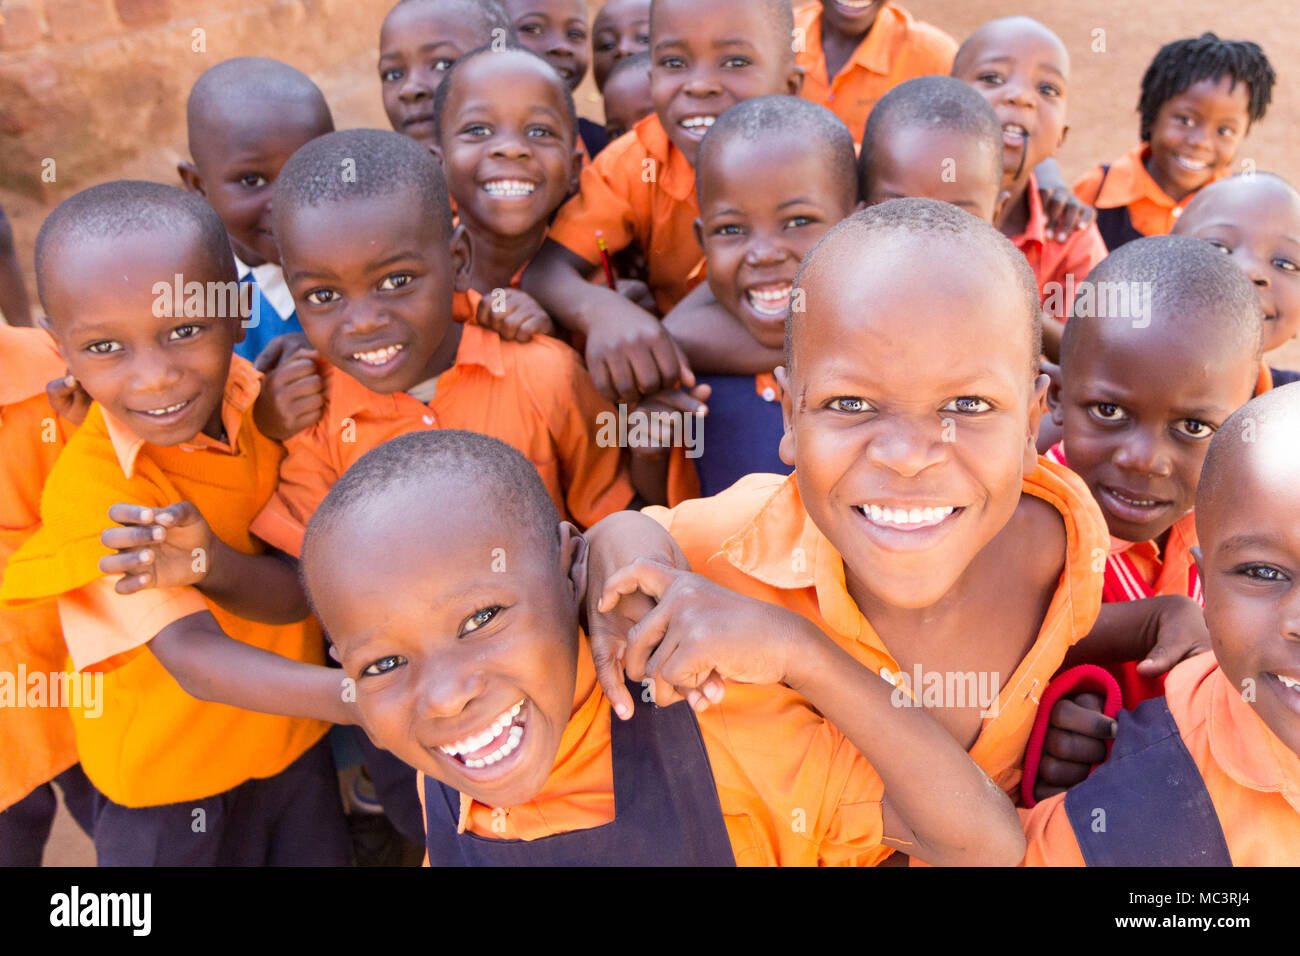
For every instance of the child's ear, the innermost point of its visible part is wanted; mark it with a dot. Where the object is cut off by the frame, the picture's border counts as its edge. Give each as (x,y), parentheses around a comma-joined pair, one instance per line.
(45,323)
(462,257)
(698,226)
(794,80)
(786,447)
(1037,406)
(190,178)
(861,205)
(1000,206)
(573,556)
(1055,401)
(437,154)
(1064,131)
(1199,557)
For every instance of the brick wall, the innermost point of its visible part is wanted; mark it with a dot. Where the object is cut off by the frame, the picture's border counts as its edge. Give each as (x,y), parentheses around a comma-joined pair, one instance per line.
(90,88)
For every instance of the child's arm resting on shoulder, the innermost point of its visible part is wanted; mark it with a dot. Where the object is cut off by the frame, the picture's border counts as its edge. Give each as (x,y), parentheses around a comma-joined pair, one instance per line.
(714,342)
(1157,631)
(175,547)
(939,805)
(628,352)
(212,666)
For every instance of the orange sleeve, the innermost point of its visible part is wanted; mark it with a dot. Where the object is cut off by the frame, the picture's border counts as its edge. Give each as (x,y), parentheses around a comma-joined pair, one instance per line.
(306,476)
(1088,186)
(595,479)
(1049,836)
(100,625)
(853,808)
(612,198)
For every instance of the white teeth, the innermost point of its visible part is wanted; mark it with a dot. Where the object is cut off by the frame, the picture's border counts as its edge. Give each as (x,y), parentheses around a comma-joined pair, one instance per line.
(1136,502)
(378,356)
(697,122)
(1192,165)
(1289,682)
(770,302)
(905,516)
(168,410)
(486,736)
(509,187)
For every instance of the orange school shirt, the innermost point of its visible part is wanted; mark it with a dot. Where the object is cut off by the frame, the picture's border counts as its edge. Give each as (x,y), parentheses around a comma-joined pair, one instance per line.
(1252,777)
(793,790)
(152,743)
(897,48)
(1058,266)
(532,395)
(1151,210)
(37,741)
(639,191)
(757,539)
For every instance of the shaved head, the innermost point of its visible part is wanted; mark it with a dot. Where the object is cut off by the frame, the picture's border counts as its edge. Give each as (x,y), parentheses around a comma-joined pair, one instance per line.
(219,95)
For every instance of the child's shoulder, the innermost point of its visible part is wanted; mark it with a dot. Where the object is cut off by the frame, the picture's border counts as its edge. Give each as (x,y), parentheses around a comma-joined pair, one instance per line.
(757,506)
(28,360)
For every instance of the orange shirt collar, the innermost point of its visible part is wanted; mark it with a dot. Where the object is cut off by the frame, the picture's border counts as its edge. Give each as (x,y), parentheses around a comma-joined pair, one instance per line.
(588,699)
(877,49)
(1245,748)
(242,386)
(676,174)
(1265,381)
(478,346)
(1128,181)
(1036,225)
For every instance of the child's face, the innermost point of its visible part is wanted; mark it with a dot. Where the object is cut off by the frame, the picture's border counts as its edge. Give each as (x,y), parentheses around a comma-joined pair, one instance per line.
(911,395)
(556,30)
(1249,564)
(1021,68)
(1257,222)
(507,144)
(627,101)
(236,163)
(764,206)
(916,162)
(706,58)
(622,28)
(1196,134)
(1138,409)
(373,282)
(418,44)
(161,376)
(850,17)
(446,651)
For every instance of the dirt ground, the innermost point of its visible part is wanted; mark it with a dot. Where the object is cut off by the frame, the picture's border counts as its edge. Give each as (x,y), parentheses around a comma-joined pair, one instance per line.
(1110,41)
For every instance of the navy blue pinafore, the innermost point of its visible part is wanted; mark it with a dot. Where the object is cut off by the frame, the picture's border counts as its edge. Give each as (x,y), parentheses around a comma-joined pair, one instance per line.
(666,809)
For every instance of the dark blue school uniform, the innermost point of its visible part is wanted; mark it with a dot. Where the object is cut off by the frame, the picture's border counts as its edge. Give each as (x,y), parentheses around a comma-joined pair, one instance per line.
(742,433)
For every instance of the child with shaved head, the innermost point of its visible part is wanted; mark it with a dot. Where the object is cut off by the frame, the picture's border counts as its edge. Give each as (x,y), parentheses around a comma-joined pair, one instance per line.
(1209,774)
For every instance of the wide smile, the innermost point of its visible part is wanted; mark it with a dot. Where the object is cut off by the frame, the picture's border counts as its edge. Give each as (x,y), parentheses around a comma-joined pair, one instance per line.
(770,300)
(1289,689)
(1187,164)
(907,527)
(696,125)
(165,414)
(1132,506)
(1014,135)
(379,360)
(492,750)
(509,188)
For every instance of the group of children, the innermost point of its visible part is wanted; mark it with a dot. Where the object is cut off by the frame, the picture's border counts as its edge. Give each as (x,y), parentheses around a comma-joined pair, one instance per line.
(324,458)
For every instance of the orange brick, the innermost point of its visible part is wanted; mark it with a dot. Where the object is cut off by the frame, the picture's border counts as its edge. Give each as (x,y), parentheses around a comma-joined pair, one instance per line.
(135,13)
(76,21)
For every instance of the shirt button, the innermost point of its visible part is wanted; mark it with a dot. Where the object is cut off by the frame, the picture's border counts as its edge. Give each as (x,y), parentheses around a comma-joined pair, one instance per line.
(887,674)
(1178,211)
(769,394)
(428,419)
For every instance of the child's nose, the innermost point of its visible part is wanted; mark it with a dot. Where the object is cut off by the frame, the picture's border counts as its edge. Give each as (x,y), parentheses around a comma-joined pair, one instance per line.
(364,318)
(1144,453)
(447,691)
(1254,269)
(626,47)
(763,250)
(414,89)
(907,448)
(154,372)
(511,146)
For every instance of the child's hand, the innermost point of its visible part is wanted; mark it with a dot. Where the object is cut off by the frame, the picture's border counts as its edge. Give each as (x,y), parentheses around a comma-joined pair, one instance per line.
(630,355)
(1179,633)
(669,404)
(292,397)
(636,292)
(157,548)
(1064,211)
(699,634)
(1076,739)
(513,315)
(68,399)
